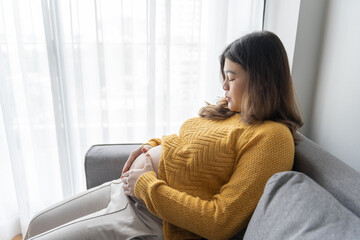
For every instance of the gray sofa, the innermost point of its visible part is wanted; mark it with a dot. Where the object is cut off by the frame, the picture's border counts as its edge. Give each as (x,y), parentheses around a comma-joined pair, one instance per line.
(319,199)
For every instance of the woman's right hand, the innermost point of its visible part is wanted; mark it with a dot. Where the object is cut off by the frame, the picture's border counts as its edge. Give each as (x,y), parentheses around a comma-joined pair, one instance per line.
(133,155)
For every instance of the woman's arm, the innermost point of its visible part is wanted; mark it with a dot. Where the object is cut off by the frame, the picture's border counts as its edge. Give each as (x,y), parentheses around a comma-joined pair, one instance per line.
(230,210)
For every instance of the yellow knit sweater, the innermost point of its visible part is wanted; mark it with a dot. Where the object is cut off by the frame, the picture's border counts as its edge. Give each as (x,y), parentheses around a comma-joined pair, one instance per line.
(212,175)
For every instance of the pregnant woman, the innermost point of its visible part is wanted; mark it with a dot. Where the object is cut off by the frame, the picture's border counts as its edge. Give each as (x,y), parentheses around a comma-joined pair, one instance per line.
(206,181)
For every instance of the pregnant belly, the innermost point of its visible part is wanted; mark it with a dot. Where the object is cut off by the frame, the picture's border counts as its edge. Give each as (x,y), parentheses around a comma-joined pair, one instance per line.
(154,152)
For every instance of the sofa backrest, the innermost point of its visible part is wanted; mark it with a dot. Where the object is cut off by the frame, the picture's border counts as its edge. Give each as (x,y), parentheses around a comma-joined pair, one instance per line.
(104,162)
(339,179)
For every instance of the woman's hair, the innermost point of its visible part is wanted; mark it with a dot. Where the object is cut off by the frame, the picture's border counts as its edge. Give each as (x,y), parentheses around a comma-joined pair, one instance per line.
(269,92)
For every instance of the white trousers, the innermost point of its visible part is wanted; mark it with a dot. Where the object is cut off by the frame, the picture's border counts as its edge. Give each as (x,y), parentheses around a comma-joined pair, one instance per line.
(103,212)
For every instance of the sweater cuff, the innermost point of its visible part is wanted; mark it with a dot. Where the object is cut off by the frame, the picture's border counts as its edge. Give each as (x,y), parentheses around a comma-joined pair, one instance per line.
(143,183)
(153,142)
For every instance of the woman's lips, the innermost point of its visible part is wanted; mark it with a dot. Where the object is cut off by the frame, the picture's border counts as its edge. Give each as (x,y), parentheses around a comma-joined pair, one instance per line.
(227,99)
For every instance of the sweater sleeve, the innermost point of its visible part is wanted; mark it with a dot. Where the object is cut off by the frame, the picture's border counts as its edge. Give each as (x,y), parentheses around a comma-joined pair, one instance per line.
(230,210)
(153,142)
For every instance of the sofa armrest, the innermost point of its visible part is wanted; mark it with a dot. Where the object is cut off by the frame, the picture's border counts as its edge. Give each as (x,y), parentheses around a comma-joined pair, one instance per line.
(104,162)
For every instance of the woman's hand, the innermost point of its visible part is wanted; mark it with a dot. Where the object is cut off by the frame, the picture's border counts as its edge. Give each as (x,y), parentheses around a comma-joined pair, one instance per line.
(130,177)
(133,155)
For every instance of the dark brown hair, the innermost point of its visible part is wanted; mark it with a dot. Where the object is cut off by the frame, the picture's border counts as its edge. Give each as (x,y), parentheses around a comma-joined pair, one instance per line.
(269,94)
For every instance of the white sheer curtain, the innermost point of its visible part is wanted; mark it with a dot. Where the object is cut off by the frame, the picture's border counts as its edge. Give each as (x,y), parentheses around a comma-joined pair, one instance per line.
(76,73)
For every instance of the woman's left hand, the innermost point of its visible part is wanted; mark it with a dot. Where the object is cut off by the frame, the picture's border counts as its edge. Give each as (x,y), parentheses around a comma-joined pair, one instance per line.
(129,178)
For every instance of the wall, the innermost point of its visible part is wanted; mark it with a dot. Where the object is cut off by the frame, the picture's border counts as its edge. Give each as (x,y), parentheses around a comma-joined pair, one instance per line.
(307,52)
(322,41)
(334,122)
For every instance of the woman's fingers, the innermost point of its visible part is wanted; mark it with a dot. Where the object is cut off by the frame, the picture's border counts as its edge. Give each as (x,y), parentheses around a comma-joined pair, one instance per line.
(145,148)
(125,174)
(133,155)
(148,162)
(130,178)
(128,164)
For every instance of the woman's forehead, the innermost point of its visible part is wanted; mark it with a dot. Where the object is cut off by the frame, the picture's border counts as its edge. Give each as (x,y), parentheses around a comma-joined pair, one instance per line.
(232,67)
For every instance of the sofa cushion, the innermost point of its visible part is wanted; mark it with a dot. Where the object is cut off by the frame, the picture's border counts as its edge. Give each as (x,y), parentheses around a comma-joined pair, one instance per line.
(339,179)
(294,206)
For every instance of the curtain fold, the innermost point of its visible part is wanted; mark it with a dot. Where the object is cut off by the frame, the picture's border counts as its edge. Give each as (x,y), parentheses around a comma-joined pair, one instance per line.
(77,73)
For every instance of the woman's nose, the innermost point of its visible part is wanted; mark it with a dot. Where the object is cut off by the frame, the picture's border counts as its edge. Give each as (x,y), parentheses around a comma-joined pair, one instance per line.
(225,85)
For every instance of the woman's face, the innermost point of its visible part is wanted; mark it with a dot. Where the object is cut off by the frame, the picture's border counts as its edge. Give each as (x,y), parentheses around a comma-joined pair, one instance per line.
(234,84)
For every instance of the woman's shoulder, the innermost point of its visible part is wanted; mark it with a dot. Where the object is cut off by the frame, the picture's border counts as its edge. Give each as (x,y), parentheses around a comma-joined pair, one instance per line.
(274,127)
(271,131)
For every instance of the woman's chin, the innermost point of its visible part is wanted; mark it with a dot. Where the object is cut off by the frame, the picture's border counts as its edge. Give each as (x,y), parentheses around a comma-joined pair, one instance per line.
(230,106)
(234,109)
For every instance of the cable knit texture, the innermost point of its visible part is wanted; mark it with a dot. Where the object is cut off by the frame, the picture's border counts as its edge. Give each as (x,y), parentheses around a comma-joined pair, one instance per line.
(212,175)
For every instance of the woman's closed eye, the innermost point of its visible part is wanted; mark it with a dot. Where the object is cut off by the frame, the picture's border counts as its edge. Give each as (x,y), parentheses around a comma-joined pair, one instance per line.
(230,77)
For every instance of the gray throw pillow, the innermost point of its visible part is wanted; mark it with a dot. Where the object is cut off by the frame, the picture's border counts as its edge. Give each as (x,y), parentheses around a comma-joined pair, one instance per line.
(293,206)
